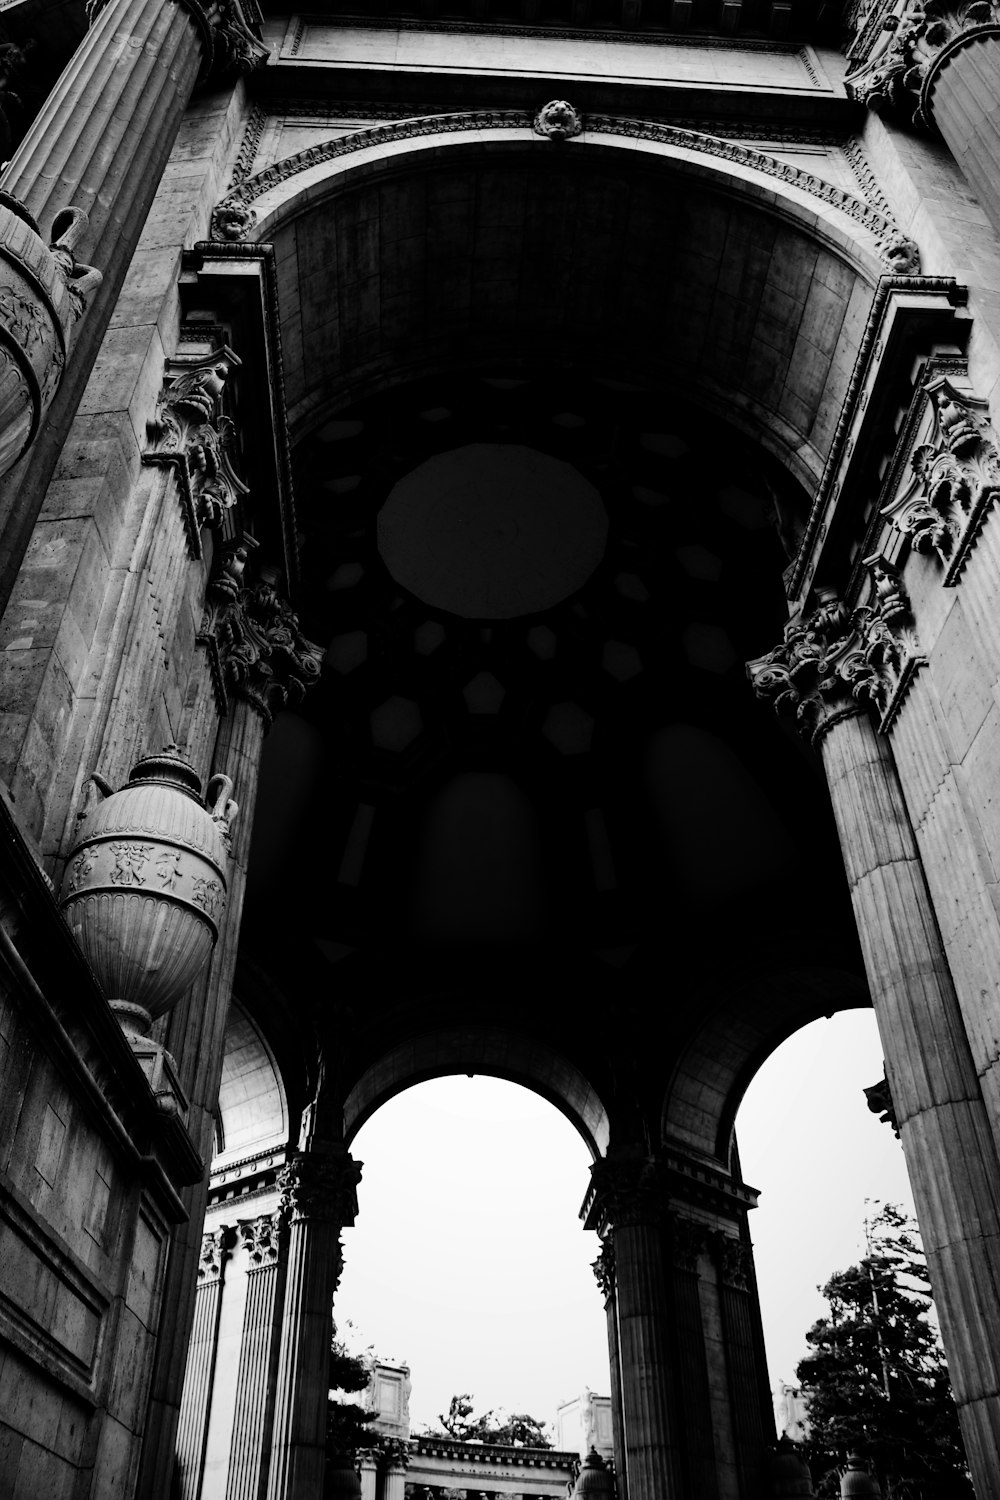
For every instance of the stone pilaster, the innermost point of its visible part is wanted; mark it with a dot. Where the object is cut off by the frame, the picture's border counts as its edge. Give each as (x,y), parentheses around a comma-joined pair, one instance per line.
(686,1243)
(196,1031)
(319,1194)
(630,1211)
(753,1422)
(192,1428)
(100,143)
(251,1440)
(944,1127)
(604,1273)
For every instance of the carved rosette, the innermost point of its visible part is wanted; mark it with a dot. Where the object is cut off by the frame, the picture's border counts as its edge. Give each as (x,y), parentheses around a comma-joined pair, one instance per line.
(320,1188)
(260,1239)
(893,68)
(215,1249)
(258,650)
(604,1270)
(836,662)
(954,476)
(190,434)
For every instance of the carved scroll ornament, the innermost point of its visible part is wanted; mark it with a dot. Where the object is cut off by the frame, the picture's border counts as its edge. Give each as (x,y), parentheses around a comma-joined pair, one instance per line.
(190,433)
(836,662)
(257,649)
(954,477)
(893,68)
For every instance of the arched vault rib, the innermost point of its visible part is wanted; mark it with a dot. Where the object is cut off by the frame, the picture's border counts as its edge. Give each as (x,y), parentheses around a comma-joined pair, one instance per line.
(498,1053)
(718,1064)
(647,259)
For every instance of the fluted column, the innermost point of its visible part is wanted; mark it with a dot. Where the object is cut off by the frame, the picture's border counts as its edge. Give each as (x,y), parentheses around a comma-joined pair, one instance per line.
(604,1273)
(943,1123)
(199,1379)
(250,1448)
(939,68)
(629,1210)
(100,142)
(753,1422)
(705,1450)
(319,1192)
(397,1457)
(368,1465)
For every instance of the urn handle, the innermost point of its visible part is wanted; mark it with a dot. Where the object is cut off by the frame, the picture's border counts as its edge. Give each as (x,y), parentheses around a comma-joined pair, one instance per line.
(221,807)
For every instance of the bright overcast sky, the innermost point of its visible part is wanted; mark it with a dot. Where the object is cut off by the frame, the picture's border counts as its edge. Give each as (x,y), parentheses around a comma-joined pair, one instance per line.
(469,1262)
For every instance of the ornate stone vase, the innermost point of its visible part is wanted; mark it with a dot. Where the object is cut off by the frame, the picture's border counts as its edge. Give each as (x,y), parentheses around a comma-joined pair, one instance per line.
(145,886)
(43,291)
(341,1481)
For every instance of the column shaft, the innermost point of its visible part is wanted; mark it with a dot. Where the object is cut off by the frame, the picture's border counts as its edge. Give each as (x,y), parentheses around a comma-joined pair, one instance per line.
(395,1481)
(192,1428)
(963,103)
(298,1456)
(651,1456)
(614,1361)
(944,1129)
(251,1440)
(100,142)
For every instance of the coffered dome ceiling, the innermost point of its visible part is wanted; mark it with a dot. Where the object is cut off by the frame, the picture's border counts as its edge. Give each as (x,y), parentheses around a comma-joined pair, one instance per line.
(534,765)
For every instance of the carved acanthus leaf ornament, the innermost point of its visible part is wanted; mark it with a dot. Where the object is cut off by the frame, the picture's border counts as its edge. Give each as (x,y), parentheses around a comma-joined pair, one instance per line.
(321,1187)
(954,477)
(627,1191)
(892,68)
(258,650)
(260,1239)
(190,433)
(230,34)
(835,662)
(215,1248)
(604,1270)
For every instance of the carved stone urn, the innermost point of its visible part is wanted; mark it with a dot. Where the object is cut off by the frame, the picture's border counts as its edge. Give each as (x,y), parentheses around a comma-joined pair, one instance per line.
(341,1481)
(43,290)
(145,886)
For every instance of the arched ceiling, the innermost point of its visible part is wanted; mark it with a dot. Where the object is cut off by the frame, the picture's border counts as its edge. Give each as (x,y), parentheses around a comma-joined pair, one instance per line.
(567,820)
(615,257)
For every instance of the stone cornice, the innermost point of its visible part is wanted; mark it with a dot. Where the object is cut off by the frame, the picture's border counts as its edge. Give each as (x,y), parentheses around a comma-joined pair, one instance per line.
(234,218)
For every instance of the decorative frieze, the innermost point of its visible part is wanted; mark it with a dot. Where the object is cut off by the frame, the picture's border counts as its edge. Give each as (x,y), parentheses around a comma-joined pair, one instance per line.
(320,1188)
(894,60)
(835,662)
(952,476)
(900,255)
(256,649)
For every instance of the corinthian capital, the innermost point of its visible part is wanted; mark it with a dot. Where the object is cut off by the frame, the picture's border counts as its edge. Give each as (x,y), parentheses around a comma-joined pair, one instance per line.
(836,662)
(230,34)
(604,1270)
(215,1248)
(625,1191)
(899,46)
(258,650)
(321,1187)
(260,1238)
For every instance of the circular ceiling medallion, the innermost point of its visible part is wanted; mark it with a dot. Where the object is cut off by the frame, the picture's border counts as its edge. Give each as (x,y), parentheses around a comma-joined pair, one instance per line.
(492,531)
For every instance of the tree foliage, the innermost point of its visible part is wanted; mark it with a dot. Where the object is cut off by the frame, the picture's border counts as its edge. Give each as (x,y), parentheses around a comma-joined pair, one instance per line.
(347,1426)
(876,1377)
(517,1430)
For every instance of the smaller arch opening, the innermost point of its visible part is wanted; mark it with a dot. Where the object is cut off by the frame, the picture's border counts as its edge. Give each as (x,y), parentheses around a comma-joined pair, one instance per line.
(252,1112)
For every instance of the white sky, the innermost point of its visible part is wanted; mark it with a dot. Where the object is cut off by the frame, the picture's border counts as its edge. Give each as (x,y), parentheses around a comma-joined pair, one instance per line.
(469,1262)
